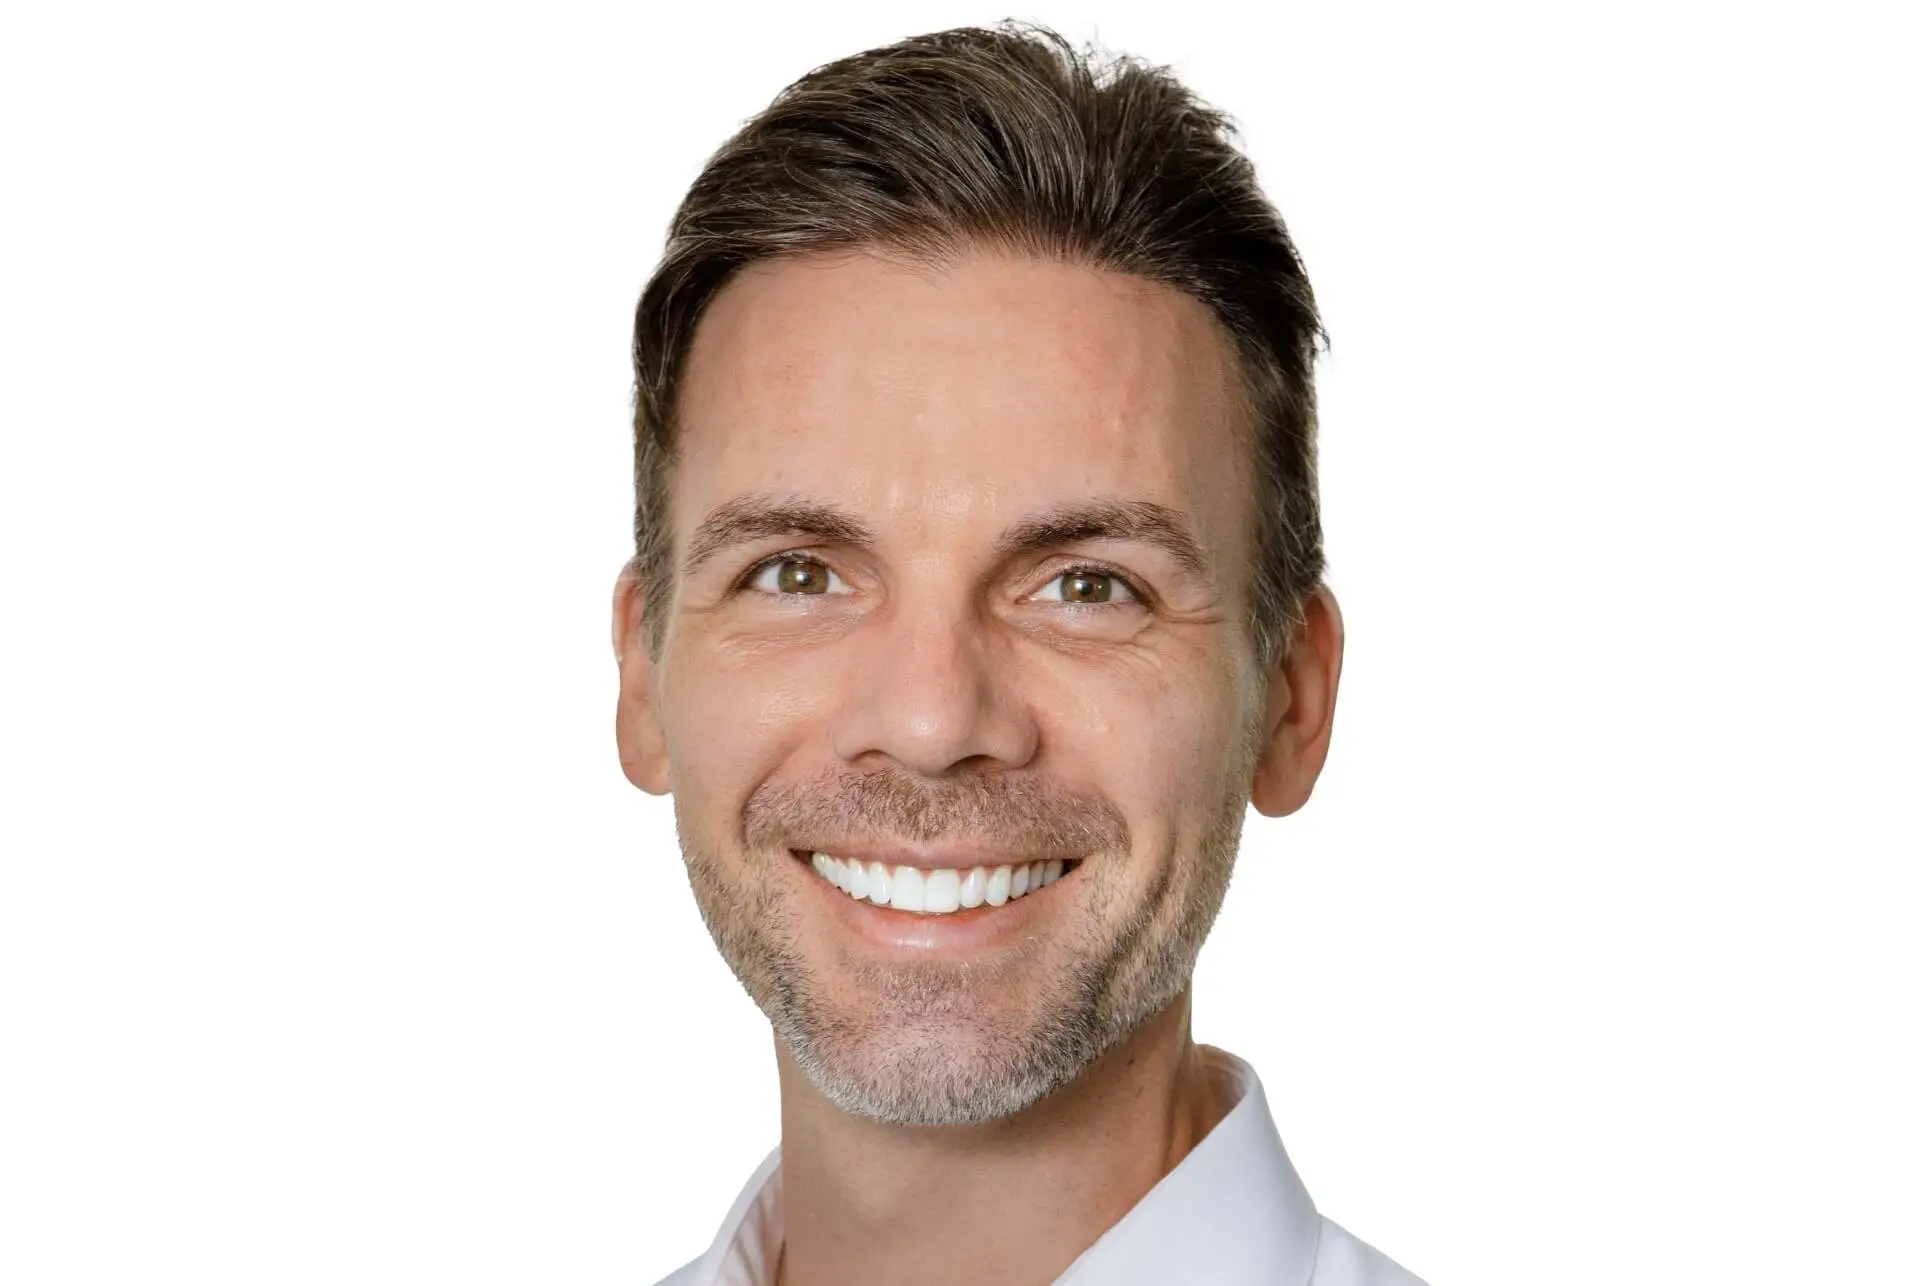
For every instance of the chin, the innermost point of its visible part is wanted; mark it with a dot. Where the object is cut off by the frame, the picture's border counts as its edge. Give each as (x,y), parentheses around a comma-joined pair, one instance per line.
(936,1082)
(944,1063)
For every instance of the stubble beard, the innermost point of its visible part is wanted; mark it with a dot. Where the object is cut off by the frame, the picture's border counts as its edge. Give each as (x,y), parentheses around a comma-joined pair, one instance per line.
(941,1042)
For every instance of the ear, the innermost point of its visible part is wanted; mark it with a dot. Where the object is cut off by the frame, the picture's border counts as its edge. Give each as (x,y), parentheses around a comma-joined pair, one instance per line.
(1298,722)
(636,723)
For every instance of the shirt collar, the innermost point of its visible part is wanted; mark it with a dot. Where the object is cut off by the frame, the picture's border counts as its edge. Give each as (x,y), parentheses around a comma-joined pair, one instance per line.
(746,1250)
(1232,1213)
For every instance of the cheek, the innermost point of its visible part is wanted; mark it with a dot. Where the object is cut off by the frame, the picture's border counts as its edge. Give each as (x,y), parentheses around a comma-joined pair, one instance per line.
(1157,737)
(731,720)
(1160,743)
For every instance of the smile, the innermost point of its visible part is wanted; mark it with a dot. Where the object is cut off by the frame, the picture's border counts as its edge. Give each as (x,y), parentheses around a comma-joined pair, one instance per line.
(936,891)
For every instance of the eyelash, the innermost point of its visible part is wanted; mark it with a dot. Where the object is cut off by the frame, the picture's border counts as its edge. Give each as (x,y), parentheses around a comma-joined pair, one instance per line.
(1140,595)
(1140,598)
(790,556)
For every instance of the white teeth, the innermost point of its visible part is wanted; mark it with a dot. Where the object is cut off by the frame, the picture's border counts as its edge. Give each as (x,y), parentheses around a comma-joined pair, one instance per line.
(910,889)
(943,892)
(935,892)
(973,889)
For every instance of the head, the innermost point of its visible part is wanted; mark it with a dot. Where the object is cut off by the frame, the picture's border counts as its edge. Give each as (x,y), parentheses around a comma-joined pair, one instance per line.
(976,530)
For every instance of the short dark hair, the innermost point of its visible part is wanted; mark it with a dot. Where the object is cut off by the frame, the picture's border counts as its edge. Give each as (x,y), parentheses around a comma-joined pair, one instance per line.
(1003,138)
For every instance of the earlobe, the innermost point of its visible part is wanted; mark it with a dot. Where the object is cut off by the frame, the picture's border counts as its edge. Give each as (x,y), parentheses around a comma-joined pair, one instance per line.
(1297,724)
(637,728)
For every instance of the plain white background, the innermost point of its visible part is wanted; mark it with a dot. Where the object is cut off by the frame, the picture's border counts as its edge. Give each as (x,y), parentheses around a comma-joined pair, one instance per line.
(333,945)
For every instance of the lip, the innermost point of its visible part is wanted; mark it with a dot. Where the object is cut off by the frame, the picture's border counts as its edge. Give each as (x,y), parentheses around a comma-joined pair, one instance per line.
(974,931)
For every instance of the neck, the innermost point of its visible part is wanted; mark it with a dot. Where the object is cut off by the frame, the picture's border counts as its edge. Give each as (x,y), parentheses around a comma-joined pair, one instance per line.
(1012,1201)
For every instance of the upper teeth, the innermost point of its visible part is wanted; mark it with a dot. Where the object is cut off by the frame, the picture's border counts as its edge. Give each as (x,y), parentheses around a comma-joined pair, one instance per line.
(934,892)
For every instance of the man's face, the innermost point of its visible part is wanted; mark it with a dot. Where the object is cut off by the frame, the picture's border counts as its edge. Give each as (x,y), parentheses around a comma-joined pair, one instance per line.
(961,559)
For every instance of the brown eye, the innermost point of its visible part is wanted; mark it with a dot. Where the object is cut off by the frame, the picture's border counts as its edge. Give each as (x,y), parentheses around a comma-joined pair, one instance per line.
(1085,585)
(793,576)
(802,578)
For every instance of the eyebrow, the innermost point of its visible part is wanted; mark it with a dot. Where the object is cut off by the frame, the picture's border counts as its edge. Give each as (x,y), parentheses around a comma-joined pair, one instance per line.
(757,516)
(1135,520)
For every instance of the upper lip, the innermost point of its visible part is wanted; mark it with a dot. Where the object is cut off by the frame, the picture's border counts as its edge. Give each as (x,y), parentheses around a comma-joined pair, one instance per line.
(944,857)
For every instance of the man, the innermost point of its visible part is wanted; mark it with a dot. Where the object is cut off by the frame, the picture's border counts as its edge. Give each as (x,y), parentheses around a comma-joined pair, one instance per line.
(977,593)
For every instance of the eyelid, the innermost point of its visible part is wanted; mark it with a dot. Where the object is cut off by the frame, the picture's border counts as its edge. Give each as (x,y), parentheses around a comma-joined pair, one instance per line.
(1140,595)
(752,573)
(1134,587)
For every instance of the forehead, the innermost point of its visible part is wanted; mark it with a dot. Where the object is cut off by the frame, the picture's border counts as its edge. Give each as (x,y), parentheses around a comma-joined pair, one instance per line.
(978,388)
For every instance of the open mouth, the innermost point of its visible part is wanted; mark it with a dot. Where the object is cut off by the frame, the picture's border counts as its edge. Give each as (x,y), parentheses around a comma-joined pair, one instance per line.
(937,891)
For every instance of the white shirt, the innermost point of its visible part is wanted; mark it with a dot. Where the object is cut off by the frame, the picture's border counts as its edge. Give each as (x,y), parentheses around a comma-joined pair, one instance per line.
(1232,1213)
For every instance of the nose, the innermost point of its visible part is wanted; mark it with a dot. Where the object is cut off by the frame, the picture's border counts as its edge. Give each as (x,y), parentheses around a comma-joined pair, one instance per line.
(935,695)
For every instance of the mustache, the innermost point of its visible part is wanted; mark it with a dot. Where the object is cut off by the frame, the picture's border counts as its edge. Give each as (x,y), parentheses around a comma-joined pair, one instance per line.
(1013,814)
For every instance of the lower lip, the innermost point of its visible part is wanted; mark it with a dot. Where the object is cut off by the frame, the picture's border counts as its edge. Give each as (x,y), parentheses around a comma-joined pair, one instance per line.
(975,930)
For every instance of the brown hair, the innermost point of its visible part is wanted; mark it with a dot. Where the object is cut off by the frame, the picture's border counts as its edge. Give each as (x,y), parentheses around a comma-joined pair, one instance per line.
(1003,138)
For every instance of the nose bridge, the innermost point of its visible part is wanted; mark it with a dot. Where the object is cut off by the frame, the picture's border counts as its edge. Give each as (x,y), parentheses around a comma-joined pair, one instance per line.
(936,691)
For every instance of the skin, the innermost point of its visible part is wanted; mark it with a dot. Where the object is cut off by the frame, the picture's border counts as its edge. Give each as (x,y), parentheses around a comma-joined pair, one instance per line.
(939,408)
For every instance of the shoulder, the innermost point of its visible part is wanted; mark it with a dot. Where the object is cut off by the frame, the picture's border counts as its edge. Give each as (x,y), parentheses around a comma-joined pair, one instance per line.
(1344,1260)
(681,1276)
